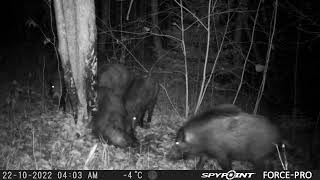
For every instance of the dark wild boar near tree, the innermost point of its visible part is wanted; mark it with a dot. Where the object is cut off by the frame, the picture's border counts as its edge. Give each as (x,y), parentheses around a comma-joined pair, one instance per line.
(141,97)
(110,123)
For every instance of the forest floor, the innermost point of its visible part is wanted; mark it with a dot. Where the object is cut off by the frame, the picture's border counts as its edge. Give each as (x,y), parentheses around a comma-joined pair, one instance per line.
(35,134)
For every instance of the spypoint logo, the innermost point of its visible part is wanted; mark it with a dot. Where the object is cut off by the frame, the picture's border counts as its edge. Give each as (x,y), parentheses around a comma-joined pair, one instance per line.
(232,174)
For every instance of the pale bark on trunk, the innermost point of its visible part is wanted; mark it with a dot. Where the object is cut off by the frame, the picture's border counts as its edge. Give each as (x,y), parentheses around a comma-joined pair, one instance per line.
(76,31)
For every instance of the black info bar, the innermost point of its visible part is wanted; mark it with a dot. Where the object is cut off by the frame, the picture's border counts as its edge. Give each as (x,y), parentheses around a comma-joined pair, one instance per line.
(154,174)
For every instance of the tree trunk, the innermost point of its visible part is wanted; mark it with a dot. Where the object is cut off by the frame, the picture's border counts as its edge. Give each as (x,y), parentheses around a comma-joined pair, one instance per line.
(102,36)
(76,31)
(155,29)
(141,14)
(240,21)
